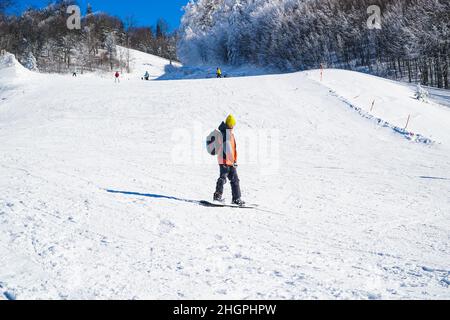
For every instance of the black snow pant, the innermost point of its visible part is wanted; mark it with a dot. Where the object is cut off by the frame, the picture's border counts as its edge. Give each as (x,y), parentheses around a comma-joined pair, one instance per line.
(231,174)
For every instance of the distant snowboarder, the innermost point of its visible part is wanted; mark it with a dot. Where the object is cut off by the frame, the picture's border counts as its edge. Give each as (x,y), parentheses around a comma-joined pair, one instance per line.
(219,73)
(117,79)
(146,75)
(225,148)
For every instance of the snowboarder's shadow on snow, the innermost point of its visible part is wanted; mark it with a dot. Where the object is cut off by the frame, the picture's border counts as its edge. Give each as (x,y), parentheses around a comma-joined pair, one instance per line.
(197,202)
(152,195)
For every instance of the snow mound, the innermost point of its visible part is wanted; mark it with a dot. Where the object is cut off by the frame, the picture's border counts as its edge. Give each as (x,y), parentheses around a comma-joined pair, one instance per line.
(11,68)
(209,72)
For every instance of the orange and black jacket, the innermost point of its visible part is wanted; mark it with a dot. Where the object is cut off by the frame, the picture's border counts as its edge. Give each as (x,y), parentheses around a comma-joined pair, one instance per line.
(227,154)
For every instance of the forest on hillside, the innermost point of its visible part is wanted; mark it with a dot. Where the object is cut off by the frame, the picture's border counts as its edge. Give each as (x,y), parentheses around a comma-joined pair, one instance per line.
(41,40)
(412,44)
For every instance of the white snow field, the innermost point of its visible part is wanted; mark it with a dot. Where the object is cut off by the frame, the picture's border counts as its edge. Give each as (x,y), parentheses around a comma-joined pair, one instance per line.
(348,208)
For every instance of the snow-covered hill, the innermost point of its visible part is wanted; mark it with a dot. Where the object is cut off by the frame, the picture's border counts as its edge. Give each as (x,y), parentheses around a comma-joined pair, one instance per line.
(97,179)
(391,101)
(141,62)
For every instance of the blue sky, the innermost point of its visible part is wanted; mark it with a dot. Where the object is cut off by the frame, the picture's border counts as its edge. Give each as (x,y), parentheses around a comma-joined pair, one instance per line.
(145,12)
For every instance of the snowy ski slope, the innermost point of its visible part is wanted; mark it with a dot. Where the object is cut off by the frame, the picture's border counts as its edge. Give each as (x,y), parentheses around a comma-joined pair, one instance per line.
(97,182)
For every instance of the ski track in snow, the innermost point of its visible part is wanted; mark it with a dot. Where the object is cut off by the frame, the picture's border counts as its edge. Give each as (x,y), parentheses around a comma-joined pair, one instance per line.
(359,216)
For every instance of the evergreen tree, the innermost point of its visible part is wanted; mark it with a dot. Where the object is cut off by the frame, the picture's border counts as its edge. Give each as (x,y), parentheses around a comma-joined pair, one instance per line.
(30,62)
(89,9)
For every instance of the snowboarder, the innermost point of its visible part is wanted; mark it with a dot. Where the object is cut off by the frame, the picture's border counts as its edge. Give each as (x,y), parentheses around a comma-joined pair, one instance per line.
(219,73)
(146,75)
(227,157)
(117,75)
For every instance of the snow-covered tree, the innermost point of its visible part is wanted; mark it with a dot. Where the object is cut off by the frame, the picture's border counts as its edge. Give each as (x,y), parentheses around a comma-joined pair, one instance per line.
(110,45)
(89,9)
(421,94)
(30,62)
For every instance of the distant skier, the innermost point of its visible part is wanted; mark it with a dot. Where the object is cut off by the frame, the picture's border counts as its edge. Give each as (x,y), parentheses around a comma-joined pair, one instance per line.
(227,157)
(219,73)
(146,75)
(117,79)
(74,74)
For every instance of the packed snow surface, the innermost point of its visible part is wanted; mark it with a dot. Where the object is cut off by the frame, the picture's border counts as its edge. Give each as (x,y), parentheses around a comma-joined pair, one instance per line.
(98,182)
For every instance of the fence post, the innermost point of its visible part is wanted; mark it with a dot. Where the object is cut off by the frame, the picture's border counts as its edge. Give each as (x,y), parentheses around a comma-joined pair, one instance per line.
(407,122)
(373,104)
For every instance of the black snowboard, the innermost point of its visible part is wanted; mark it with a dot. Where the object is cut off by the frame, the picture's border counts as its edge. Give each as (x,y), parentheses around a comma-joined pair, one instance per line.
(224,205)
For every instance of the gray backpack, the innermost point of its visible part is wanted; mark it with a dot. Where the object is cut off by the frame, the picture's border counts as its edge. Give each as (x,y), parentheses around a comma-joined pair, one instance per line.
(213,142)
